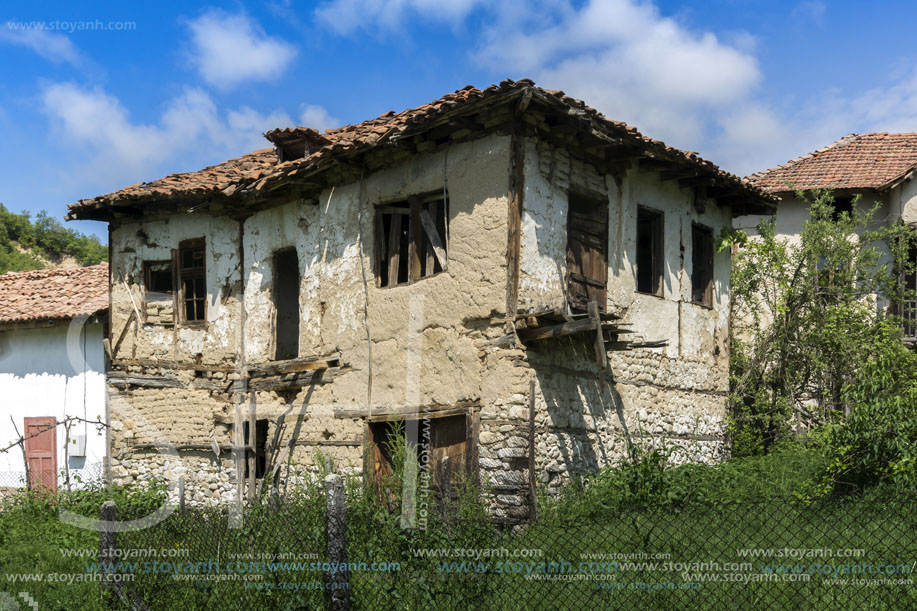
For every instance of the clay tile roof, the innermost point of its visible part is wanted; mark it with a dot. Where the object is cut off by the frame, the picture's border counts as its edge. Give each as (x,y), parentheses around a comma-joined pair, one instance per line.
(53,294)
(260,170)
(856,161)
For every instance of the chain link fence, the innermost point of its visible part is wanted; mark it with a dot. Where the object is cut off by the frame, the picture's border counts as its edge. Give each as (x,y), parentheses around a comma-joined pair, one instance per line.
(769,554)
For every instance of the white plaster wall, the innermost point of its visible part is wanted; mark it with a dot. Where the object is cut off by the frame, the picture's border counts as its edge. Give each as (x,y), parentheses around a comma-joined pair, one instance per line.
(692,330)
(41,375)
(134,243)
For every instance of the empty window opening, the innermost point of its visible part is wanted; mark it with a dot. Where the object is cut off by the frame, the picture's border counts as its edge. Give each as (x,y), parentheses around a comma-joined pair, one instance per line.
(158,297)
(587,251)
(259,452)
(649,251)
(192,276)
(702,265)
(842,205)
(286,304)
(908,307)
(410,240)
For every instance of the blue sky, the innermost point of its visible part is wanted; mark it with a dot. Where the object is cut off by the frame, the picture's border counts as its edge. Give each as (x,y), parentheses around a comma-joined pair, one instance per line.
(96,97)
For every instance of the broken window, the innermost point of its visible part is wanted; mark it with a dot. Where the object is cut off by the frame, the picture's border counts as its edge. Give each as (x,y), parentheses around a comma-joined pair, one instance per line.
(286,304)
(842,205)
(649,251)
(192,280)
(256,451)
(587,251)
(702,265)
(410,240)
(439,444)
(158,297)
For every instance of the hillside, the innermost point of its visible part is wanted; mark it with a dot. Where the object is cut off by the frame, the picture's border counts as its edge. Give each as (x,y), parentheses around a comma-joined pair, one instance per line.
(43,242)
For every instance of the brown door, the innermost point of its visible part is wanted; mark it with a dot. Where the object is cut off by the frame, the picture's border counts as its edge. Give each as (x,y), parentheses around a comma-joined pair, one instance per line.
(41,451)
(448,444)
(587,248)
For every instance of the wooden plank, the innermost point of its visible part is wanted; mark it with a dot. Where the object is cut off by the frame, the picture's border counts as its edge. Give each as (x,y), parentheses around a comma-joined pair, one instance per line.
(294,365)
(127,326)
(157,364)
(123,380)
(430,259)
(299,379)
(433,236)
(600,356)
(378,246)
(252,444)
(394,249)
(415,240)
(398,413)
(568,328)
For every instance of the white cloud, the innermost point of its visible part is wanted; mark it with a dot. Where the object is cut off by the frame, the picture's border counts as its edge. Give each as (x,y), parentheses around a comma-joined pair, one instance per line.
(53,47)
(229,50)
(191,133)
(628,61)
(347,16)
(317,117)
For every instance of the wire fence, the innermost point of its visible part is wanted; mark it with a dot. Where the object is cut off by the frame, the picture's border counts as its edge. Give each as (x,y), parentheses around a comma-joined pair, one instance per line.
(769,554)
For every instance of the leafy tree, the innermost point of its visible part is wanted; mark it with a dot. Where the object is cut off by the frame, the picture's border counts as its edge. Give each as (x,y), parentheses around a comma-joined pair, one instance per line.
(808,314)
(44,238)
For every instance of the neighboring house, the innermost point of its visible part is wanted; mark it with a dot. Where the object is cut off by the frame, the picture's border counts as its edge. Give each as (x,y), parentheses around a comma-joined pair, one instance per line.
(458,273)
(52,375)
(879,167)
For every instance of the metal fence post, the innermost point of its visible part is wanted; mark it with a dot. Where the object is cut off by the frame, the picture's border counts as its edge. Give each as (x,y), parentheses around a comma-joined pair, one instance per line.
(339,576)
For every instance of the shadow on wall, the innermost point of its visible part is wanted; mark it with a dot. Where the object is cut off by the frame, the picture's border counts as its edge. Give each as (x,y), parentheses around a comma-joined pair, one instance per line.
(568,381)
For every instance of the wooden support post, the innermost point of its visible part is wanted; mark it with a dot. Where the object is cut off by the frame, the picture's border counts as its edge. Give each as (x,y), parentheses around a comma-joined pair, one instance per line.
(107,543)
(181,494)
(514,228)
(600,356)
(533,499)
(338,580)
(251,443)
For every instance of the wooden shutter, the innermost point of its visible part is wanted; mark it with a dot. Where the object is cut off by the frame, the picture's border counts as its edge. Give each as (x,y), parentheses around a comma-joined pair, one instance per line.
(587,252)
(448,451)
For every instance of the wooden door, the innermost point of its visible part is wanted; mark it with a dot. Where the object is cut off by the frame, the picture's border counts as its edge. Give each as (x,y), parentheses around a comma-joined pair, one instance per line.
(587,252)
(41,451)
(448,451)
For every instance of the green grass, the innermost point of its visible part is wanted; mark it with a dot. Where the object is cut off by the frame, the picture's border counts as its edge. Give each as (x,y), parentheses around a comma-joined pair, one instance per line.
(691,514)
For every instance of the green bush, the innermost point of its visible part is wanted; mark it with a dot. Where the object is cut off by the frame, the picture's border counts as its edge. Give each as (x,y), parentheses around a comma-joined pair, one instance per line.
(45,237)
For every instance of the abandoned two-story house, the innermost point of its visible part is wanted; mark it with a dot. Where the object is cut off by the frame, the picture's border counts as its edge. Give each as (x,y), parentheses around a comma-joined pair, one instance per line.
(869,169)
(521,281)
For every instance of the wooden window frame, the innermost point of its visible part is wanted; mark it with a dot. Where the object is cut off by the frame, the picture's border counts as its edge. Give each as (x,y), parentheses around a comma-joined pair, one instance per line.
(596,289)
(375,452)
(707,264)
(427,242)
(657,261)
(181,275)
(148,282)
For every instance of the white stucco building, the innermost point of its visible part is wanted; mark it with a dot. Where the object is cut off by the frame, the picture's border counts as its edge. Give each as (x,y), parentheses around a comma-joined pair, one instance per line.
(52,375)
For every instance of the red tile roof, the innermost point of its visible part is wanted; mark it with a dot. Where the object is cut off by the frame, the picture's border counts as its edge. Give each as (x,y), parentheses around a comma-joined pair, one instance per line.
(261,171)
(53,294)
(856,161)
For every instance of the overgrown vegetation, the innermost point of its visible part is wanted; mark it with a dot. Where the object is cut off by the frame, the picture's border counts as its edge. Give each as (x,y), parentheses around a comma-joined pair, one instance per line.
(27,244)
(812,342)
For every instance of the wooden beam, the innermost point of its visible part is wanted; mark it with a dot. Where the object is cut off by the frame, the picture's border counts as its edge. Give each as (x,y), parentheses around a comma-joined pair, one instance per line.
(514,227)
(696,181)
(600,356)
(568,328)
(294,365)
(400,413)
(430,228)
(123,380)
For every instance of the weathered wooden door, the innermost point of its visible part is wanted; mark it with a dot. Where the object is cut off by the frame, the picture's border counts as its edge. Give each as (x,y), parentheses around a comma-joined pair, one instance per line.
(587,252)
(41,451)
(448,451)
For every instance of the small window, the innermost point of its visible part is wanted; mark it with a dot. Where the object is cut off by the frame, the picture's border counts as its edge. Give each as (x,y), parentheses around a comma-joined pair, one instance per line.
(842,205)
(410,240)
(702,265)
(192,277)
(158,297)
(286,304)
(649,251)
(260,448)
